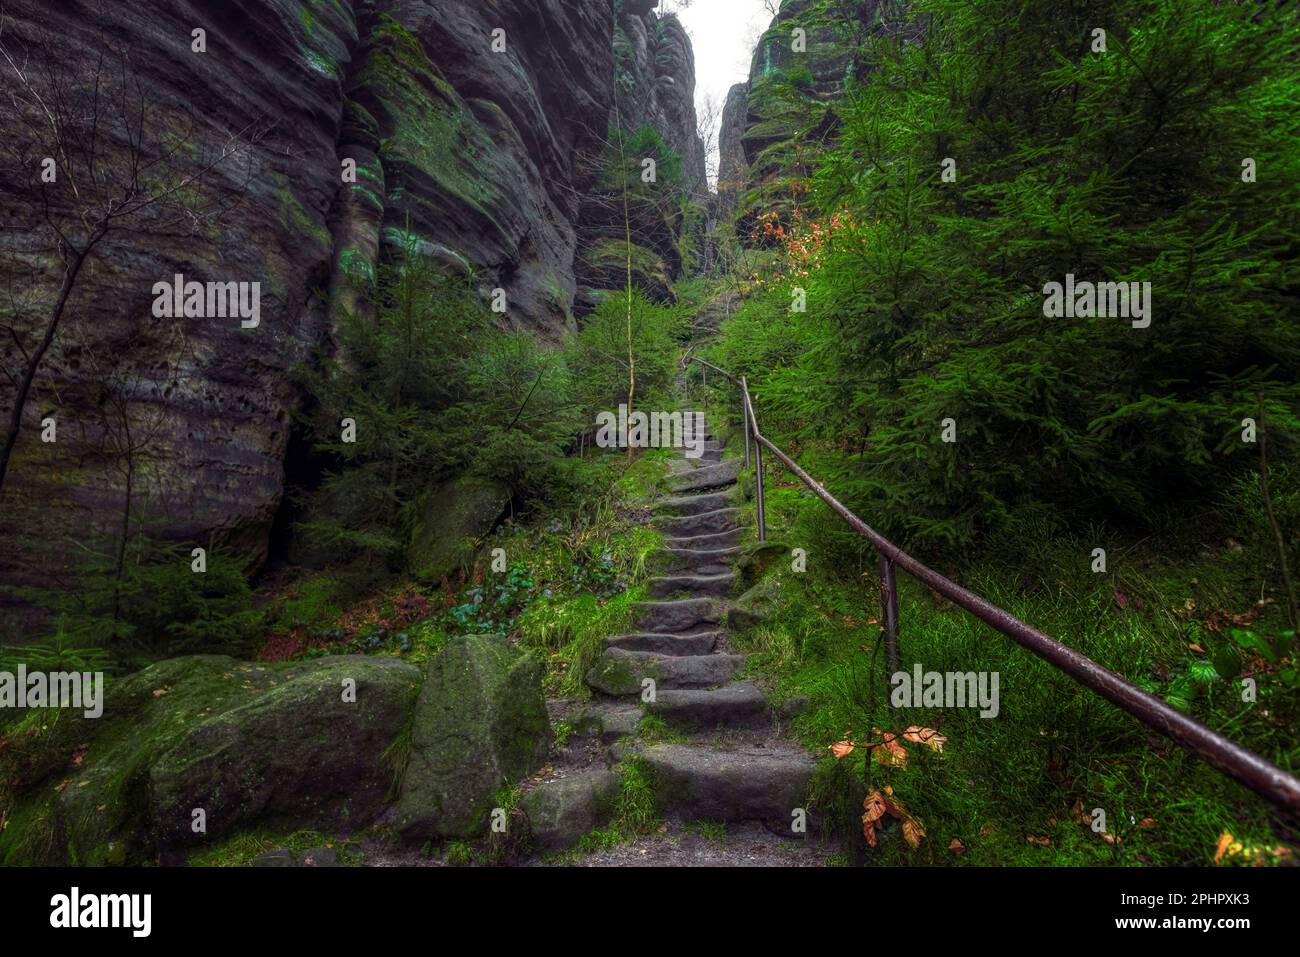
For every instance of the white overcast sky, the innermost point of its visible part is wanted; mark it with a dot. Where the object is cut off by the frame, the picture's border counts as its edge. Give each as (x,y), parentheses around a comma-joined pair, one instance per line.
(723,34)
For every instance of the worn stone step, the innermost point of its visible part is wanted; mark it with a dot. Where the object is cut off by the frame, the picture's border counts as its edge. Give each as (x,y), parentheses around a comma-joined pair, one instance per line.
(739,705)
(746,784)
(672,559)
(693,504)
(621,672)
(701,643)
(608,721)
(723,539)
(706,523)
(697,584)
(706,477)
(677,616)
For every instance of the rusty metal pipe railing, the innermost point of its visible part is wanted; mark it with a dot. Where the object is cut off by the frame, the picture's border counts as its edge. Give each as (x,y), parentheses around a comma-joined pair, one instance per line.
(1245,766)
(750,424)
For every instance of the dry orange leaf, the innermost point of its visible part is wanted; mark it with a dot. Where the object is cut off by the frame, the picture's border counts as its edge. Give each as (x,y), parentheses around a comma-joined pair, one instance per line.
(874,806)
(1040,841)
(913,831)
(1147,822)
(889,752)
(927,736)
(956,846)
(841,748)
(986,830)
(1227,845)
(874,809)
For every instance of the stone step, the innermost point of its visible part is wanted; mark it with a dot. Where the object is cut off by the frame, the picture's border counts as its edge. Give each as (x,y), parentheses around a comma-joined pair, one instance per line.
(620,672)
(696,585)
(677,616)
(684,555)
(701,643)
(693,504)
(724,539)
(694,559)
(739,705)
(747,784)
(608,721)
(706,477)
(706,523)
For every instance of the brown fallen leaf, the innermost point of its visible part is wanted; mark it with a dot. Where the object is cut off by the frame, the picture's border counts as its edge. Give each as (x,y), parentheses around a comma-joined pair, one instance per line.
(841,748)
(1040,841)
(986,830)
(956,846)
(1147,822)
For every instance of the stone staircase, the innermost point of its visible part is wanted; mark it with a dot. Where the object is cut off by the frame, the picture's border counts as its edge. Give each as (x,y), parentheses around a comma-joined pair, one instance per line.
(733,766)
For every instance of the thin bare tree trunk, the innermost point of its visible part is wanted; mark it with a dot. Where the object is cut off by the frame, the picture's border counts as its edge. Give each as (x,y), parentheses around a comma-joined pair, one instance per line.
(34,361)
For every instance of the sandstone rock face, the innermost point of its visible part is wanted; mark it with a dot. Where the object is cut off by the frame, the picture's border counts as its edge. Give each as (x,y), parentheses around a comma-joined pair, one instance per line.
(655,71)
(483,158)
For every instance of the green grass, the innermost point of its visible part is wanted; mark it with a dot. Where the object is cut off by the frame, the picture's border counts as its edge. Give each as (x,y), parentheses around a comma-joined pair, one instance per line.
(654,730)
(243,849)
(1055,746)
(714,831)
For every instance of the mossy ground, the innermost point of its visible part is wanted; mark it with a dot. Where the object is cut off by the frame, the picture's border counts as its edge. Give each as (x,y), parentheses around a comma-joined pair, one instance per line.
(243,849)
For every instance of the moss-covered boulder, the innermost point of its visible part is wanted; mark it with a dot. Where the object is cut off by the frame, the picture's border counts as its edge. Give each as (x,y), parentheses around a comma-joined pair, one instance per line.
(238,739)
(480,723)
(311,750)
(452,517)
(756,605)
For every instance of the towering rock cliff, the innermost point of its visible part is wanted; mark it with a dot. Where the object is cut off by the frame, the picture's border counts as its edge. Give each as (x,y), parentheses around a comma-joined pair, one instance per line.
(655,70)
(478,132)
(776,126)
(733,169)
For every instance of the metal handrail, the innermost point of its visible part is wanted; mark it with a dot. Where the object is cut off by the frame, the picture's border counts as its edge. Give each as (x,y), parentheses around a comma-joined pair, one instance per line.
(1250,769)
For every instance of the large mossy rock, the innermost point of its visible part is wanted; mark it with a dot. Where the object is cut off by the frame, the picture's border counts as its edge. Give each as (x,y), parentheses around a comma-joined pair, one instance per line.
(480,723)
(310,750)
(240,740)
(452,516)
(756,605)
